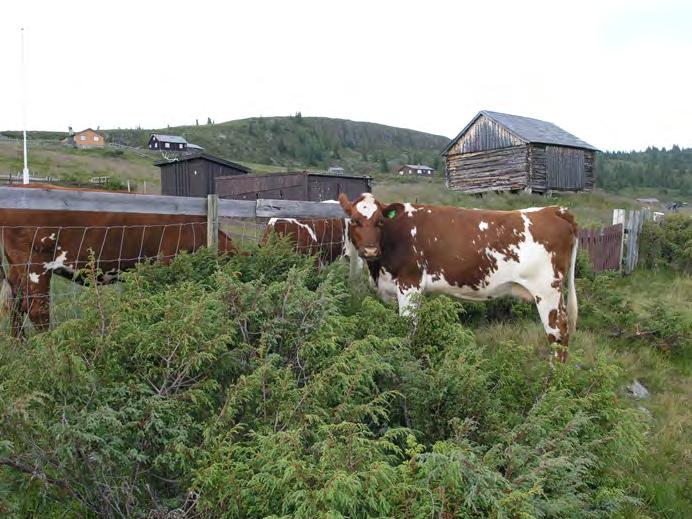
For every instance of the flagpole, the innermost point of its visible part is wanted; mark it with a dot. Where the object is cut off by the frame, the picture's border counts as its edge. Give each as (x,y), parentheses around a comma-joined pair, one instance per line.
(25,172)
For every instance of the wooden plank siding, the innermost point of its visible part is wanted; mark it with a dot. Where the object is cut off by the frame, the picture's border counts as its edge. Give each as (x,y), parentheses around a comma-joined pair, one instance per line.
(603,246)
(564,168)
(292,186)
(537,173)
(485,134)
(495,170)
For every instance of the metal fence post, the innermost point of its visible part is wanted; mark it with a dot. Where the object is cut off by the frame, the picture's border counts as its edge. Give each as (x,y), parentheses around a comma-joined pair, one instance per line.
(213,222)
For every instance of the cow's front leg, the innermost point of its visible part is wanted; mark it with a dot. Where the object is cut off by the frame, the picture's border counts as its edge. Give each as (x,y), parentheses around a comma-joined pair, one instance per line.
(407,300)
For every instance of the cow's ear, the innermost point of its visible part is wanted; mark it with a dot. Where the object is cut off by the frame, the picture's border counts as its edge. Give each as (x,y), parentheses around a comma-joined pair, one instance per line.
(392,210)
(346,204)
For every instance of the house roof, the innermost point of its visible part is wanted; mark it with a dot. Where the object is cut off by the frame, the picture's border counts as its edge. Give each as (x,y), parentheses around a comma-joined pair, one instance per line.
(191,146)
(88,130)
(175,139)
(205,156)
(529,130)
(417,166)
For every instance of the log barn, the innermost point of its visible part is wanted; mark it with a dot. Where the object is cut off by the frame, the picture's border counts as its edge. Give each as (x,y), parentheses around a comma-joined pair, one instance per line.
(502,152)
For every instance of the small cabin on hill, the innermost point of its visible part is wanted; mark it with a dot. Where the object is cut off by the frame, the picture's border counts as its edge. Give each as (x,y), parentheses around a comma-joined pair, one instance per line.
(299,185)
(416,169)
(160,142)
(85,139)
(502,152)
(196,174)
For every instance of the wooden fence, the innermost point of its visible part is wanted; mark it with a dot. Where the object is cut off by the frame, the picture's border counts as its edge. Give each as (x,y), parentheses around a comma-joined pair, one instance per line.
(604,246)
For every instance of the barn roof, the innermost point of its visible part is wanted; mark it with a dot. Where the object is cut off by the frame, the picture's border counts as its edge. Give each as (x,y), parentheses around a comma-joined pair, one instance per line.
(205,156)
(529,130)
(175,139)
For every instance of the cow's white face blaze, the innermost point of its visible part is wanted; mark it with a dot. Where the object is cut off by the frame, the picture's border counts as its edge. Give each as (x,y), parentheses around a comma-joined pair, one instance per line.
(367,217)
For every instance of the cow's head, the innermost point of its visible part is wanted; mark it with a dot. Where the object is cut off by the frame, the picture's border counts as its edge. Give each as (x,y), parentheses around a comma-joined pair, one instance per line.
(368,217)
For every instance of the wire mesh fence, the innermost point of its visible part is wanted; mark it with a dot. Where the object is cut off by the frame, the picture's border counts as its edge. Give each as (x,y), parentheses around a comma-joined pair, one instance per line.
(44,266)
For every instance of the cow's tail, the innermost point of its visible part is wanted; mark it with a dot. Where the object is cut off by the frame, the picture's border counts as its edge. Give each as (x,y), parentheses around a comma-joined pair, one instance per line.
(572,309)
(5,293)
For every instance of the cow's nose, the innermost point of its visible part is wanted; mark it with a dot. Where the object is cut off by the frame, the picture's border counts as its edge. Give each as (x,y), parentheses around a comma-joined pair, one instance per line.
(370,252)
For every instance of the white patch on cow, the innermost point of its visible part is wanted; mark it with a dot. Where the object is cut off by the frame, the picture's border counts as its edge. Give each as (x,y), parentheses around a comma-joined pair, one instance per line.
(532,209)
(563,210)
(409,209)
(33,277)
(387,288)
(435,239)
(429,211)
(57,263)
(51,237)
(367,205)
(483,226)
(413,232)
(309,229)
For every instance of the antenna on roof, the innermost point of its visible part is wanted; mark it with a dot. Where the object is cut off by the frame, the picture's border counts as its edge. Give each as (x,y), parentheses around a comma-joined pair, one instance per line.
(25,171)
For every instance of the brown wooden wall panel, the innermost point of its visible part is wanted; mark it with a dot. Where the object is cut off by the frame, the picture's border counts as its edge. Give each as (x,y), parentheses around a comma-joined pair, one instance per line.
(603,246)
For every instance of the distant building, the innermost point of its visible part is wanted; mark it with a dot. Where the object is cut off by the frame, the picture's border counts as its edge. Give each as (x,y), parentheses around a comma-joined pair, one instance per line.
(416,169)
(502,152)
(648,201)
(85,139)
(160,142)
(195,174)
(335,170)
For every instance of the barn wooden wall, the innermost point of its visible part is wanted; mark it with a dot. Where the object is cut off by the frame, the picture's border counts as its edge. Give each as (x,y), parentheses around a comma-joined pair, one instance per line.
(484,134)
(495,170)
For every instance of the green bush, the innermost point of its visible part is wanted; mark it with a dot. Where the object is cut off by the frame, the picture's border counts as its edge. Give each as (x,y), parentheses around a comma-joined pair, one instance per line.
(253,386)
(667,244)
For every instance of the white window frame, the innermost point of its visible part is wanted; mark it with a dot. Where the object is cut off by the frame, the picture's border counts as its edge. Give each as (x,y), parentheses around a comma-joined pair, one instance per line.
(82,137)
(167,144)
(96,138)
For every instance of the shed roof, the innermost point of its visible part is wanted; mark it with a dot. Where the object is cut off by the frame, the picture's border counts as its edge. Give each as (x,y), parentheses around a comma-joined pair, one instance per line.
(205,156)
(529,130)
(175,139)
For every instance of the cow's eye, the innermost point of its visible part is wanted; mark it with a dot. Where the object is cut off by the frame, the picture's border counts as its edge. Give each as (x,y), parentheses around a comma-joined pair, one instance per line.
(380,223)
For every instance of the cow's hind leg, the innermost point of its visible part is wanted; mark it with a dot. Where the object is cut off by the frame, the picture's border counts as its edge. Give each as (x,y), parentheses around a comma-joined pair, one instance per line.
(553,313)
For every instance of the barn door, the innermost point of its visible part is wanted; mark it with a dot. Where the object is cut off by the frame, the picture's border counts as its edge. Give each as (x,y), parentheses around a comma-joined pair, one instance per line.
(564,168)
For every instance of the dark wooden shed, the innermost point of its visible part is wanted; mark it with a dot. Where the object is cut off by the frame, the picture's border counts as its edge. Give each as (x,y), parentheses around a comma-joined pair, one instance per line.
(315,187)
(502,152)
(195,175)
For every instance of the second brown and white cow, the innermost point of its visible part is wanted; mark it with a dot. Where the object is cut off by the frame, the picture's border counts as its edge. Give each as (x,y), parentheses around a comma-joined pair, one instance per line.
(325,238)
(470,254)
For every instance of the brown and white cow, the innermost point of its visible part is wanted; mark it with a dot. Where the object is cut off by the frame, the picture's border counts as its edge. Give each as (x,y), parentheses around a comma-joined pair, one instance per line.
(327,239)
(38,244)
(470,254)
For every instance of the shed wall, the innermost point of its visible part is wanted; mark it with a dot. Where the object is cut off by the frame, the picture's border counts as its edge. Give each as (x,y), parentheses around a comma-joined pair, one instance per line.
(293,186)
(195,177)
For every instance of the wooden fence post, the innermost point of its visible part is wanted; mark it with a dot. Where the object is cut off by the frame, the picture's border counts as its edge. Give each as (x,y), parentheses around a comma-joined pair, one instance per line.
(213,222)
(619,218)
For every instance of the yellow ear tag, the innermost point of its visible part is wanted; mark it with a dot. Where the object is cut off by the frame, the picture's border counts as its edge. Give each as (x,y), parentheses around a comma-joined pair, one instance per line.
(391,213)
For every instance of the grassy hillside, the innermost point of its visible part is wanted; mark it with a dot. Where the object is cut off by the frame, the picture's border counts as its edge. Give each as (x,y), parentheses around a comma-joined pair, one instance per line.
(73,165)
(297,141)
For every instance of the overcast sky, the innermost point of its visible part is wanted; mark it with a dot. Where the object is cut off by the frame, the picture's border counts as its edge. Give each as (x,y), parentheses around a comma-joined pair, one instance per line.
(618,74)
